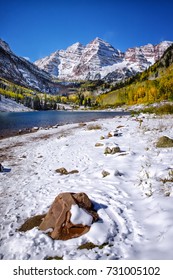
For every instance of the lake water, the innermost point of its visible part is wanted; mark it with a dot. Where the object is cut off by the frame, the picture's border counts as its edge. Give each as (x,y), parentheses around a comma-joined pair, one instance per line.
(10,123)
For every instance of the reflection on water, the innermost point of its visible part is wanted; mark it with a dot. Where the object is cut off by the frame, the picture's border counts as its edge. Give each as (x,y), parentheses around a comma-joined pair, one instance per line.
(12,122)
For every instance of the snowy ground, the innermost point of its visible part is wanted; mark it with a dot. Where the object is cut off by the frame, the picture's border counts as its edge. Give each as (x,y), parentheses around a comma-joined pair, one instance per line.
(135,207)
(8,105)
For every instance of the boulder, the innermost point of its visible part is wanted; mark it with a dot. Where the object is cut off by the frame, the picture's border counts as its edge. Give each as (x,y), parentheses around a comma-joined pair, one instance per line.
(70,216)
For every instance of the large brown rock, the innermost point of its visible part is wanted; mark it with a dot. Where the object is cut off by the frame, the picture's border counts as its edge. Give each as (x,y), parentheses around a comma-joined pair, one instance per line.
(59,215)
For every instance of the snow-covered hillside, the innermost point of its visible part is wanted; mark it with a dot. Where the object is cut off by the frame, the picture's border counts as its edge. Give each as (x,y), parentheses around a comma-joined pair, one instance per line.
(131,190)
(9,105)
(22,72)
(99,59)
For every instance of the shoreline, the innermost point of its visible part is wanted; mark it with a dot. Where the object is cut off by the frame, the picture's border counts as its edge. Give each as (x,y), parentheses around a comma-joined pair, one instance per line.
(7,134)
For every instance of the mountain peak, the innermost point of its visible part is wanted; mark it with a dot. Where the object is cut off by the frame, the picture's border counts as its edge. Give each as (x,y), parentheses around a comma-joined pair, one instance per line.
(75,47)
(98,59)
(99,41)
(5,46)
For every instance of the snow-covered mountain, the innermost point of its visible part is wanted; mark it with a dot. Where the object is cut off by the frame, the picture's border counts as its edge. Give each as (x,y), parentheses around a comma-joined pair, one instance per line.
(98,60)
(23,72)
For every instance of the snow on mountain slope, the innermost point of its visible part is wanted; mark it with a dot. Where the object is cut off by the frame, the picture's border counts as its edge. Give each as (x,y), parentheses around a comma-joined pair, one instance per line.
(23,72)
(61,61)
(99,59)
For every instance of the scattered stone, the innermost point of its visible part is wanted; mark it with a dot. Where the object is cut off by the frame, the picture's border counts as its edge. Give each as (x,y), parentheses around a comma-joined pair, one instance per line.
(82,124)
(1,168)
(94,127)
(110,134)
(57,258)
(90,245)
(115,150)
(105,173)
(107,151)
(75,171)
(35,129)
(118,173)
(24,131)
(99,144)
(55,126)
(167,193)
(24,156)
(59,216)
(63,171)
(102,137)
(112,151)
(114,133)
(40,156)
(120,126)
(164,142)
(87,246)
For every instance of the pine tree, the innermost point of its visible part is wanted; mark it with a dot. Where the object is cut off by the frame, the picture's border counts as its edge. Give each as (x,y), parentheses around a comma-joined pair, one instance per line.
(36,103)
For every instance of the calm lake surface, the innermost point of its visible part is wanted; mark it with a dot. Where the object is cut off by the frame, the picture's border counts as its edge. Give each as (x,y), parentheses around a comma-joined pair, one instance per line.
(10,123)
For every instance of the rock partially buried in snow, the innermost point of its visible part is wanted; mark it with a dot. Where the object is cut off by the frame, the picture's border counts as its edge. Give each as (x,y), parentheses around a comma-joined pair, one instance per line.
(112,151)
(70,216)
(164,142)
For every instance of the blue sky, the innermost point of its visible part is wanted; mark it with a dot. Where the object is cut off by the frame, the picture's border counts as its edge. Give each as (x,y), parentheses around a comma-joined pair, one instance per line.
(35,29)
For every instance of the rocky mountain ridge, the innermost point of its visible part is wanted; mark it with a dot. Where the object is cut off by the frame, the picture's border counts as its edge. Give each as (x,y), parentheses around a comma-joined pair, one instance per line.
(96,60)
(100,60)
(23,72)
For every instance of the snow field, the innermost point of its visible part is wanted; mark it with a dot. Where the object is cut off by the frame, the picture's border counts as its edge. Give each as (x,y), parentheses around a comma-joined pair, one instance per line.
(135,212)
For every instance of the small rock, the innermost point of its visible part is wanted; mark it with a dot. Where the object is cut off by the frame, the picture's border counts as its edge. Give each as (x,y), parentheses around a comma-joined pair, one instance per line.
(1,168)
(35,129)
(167,193)
(118,173)
(112,151)
(99,144)
(105,173)
(62,171)
(73,171)
(107,151)
(113,133)
(110,134)
(115,150)
(55,126)
(164,142)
